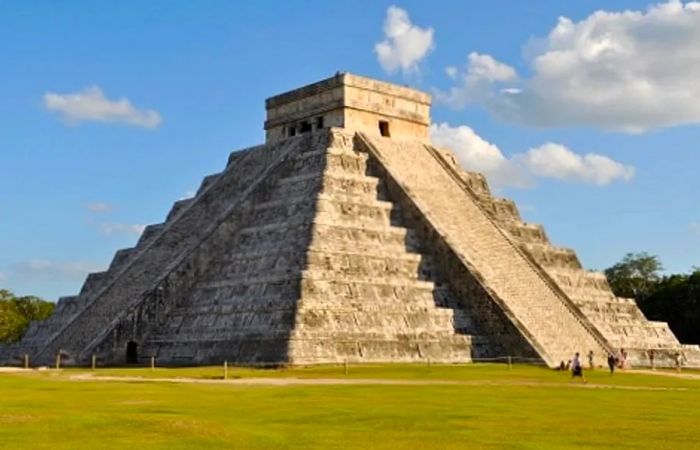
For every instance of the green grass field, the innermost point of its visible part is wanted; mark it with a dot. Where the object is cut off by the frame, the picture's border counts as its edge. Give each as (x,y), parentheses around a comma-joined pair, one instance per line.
(469,406)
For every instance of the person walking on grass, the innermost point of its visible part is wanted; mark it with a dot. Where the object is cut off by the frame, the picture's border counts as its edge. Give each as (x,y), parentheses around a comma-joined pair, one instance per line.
(612,363)
(590,360)
(679,361)
(577,368)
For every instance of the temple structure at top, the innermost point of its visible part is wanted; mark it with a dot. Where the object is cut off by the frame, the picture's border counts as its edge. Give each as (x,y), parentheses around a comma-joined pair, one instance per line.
(352,102)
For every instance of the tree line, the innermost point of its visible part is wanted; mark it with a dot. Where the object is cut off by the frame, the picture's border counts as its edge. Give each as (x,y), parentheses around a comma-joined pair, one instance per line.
(669,298)
(17,312)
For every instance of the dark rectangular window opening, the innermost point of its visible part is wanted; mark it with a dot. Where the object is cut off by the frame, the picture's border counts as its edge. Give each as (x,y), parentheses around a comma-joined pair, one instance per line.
(291,130)
(319,123)
(304,127)
(384,128)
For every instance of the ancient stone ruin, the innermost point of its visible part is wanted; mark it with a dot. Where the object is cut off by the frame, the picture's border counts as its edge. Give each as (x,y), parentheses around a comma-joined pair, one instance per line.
(346,236)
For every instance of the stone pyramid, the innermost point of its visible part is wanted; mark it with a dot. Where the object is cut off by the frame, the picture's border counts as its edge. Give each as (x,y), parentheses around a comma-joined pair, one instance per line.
(346,236)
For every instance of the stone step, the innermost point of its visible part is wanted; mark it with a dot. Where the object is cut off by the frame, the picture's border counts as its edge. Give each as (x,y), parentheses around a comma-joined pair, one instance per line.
(93,282)
(579,278)
(390,321)
(230,337)
(217,323)
(500,209)
(178,207)
(208,181)
(317,276)
(330,159)
(371,262)
(270,278)
(548,255)
(523,232)
(363,236)
(399,265)
(120,258)
(326,286)
(149,233)
(354,212)
(325,234)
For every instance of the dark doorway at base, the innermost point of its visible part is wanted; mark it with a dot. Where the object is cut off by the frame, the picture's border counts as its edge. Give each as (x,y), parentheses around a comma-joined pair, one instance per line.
(132,352)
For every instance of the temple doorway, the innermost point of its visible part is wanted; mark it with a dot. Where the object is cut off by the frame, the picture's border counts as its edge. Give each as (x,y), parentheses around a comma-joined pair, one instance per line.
(132,352)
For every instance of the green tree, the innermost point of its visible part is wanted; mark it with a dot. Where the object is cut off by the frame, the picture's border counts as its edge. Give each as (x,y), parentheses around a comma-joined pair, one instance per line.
(636,276)
(676,300)
(17,312)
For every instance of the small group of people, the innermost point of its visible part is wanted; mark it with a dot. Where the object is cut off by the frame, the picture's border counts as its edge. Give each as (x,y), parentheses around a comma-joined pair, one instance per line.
(615,361)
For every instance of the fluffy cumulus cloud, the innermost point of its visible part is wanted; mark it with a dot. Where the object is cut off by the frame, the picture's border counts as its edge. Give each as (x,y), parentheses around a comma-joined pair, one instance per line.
(113,228)
(550,160)
(477,154)
(91,105)
(476,80)
(404,44)
(556,161)
(628,71)
(44,269)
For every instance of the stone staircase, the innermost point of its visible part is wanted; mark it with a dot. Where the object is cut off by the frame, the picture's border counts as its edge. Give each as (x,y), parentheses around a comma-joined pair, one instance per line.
(551,323)
(619,320)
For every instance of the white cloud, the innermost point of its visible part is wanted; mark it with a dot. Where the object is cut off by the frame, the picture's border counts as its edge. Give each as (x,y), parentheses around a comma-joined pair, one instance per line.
(46,269)
(476,81)
(110,229)
(556,161)
(628,71)
(547,161)
(99,207)
(476,154)
(91,105)
(484,67)
(451,71)
(405,44)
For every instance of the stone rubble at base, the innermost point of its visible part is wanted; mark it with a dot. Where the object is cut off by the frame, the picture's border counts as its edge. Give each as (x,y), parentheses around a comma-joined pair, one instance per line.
(347,236)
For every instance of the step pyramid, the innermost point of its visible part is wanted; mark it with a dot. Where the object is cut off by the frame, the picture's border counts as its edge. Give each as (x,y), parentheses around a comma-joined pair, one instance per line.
(346,237)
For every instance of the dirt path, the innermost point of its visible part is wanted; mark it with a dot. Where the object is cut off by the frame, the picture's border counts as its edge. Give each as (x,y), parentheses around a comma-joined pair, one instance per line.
(684,375)
(13,370)
(292,381)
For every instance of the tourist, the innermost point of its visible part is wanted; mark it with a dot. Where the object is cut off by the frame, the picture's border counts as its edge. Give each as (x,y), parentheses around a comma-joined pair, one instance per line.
(651,358)
(679,361)
(623,359)
(577,368)
(590,360)
(612,362)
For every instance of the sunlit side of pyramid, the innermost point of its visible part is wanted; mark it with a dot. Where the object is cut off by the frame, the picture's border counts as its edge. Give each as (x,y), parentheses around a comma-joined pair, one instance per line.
(346,236)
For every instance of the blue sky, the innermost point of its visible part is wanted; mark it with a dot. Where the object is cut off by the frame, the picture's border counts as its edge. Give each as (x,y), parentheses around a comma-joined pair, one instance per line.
(588,122)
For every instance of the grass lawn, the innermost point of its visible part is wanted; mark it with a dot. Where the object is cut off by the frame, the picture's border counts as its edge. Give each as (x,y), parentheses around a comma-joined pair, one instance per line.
(490,407)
